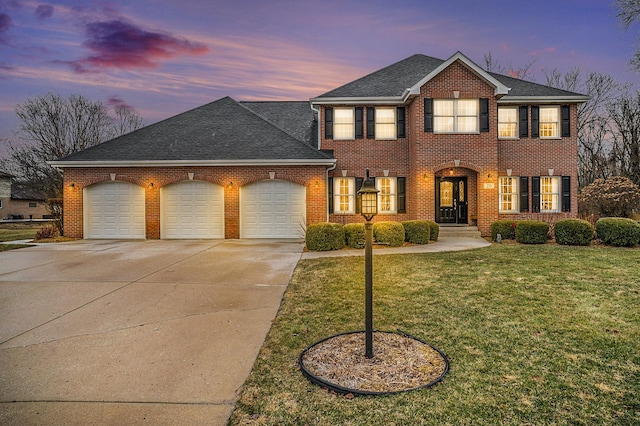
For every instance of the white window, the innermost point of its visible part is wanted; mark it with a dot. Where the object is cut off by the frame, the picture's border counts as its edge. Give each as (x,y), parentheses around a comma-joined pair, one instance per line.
(507,122)
(455,115)
(385,123)
(508,194)
(343,125)
(549,122)
(344,191)
(549,194)
(387,198)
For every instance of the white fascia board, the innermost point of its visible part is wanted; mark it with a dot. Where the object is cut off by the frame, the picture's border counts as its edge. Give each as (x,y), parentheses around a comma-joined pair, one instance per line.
(390,100)
(194,163)
(543,99)
(500,89)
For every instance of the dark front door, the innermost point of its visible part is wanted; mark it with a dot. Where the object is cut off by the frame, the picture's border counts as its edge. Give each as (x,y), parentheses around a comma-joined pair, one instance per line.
(451,200)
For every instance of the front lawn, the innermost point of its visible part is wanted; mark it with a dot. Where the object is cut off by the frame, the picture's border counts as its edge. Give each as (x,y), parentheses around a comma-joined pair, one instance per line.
(535,335)
(19,230)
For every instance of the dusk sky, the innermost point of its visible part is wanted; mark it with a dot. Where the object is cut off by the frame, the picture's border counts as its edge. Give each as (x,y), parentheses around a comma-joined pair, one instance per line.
(163,57)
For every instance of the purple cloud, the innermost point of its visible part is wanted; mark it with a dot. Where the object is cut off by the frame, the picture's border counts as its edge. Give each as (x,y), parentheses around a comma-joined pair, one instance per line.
(117,102)
(44,11)
(120,44)
(5,24)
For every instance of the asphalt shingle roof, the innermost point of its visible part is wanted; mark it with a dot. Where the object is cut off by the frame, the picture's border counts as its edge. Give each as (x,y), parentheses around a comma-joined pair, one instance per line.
(220,130)
(396,78)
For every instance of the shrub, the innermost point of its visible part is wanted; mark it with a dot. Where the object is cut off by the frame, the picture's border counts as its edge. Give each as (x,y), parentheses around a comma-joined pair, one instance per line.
(47,232)
(531,231)
(618,231)
(574,232)
(354,235)
(614,197)
(417,231)
(506,229)
(389,233)
(434,230)
(325,236)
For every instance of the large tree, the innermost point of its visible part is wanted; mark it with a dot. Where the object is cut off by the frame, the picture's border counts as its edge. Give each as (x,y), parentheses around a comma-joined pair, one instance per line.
(52,127)
(629,14)
(625,123)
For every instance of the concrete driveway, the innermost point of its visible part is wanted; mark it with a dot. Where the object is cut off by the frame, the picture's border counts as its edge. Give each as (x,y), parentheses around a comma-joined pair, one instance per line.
(135,332)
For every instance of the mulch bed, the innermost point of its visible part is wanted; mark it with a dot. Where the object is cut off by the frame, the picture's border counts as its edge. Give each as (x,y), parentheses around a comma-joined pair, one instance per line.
(400,363)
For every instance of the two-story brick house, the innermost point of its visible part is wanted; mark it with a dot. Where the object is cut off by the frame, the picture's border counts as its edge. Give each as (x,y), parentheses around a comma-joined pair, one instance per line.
(444,139)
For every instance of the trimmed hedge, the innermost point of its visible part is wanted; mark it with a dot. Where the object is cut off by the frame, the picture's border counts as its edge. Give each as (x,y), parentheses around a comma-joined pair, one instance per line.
(389,233)
(354,235)
(531,231)
(325,236)
(417,231)
(506,229)
(434,230)
(618,231)
(574,232)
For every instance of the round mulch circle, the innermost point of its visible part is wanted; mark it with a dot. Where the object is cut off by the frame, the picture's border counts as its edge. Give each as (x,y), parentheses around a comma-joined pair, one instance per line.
(400,363)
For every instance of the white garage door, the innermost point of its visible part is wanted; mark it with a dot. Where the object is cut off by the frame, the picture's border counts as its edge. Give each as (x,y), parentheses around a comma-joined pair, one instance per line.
(114,210)
(272,209)
(192,209)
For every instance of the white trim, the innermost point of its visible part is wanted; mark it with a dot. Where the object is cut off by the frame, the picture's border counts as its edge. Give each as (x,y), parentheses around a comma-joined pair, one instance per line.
(171,163)
(500,89)
(543,99)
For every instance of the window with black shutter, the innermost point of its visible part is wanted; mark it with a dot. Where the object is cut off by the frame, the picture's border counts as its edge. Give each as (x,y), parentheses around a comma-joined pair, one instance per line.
(535,194)
(524,194)
(566,193)
(535,121)
(371,123)
(359,125)
(484,115)
(566,124)
(523,118)
(428,115)
(400,121)
(402,194)
(328,123)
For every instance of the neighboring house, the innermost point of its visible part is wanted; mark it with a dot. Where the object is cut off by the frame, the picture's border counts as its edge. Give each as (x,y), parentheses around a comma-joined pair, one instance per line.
(445,141)
(17,201)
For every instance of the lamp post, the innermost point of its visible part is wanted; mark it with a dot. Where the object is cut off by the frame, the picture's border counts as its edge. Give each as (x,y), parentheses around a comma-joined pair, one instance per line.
(368,209)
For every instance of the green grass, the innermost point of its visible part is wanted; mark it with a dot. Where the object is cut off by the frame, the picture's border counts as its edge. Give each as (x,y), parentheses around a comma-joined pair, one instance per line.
(535,335)
(19,231)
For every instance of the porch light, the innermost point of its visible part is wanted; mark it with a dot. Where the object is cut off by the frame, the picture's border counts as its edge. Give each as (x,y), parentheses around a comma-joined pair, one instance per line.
(368,208)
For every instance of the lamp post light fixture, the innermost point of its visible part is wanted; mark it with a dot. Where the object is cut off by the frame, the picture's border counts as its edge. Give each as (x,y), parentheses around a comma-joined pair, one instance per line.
(368,201)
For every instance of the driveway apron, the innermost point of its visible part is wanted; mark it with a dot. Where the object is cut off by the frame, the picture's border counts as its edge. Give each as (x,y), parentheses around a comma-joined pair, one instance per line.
(129,332)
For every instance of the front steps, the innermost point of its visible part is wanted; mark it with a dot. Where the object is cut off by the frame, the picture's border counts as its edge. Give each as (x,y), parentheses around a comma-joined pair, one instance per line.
(459,231)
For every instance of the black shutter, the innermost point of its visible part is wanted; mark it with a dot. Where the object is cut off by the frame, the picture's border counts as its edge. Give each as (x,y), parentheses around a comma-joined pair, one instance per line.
(524,193)
(330,195)
(359,127)
(358,186)
(566,124)
(535,121)
(484,115)
(401,188)
(566,193)
(328,123)
(400,120)
(428,115)
(523,117)
(535,194)
(371,123)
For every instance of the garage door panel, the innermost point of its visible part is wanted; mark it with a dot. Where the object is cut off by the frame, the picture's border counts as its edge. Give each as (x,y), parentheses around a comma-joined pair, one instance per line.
(192,209)
(114,210)
(272,209)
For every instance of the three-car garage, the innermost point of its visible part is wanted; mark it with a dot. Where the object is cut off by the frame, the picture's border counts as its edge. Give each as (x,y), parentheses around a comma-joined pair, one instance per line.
(194,209)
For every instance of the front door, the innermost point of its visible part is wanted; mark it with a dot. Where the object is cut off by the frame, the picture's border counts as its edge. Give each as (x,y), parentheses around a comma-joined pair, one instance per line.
(451,200)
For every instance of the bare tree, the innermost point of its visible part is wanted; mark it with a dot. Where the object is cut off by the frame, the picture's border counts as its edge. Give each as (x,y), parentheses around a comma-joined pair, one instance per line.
(53,127)
(595,138)
(629,14)
(522,73)
(625,117)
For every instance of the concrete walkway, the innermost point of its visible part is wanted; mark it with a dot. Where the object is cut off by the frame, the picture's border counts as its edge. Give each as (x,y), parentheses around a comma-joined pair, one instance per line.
(135,332)
(443,244)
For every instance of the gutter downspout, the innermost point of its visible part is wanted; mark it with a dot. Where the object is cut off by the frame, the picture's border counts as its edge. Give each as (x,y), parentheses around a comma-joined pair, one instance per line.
(326,178)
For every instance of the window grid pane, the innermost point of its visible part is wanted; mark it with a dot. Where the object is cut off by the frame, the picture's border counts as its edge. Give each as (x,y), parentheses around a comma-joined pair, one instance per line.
(508,194)
(455,115)
(344,197)
(387,196)
(549,123)
(385,123)
(343,127)
(507,122)
(549,194)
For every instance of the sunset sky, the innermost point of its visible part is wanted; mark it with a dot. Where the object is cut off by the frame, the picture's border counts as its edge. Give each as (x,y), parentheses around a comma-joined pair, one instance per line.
(163,57)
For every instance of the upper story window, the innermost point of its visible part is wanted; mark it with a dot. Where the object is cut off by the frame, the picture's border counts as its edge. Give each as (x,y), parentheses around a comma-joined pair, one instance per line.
(387,200)
(455,115)
(549,122)
(343,123)
(508,187)
(385,123)
(507,122)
